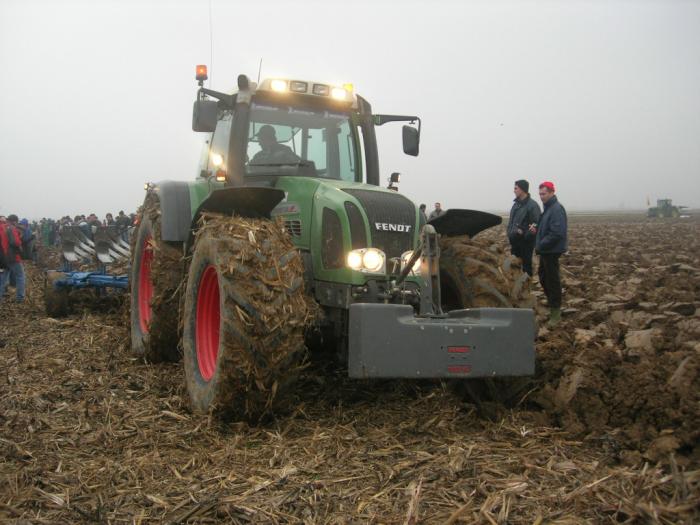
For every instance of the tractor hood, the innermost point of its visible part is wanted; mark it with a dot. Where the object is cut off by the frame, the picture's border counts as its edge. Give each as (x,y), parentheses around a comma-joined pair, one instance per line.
(331,218)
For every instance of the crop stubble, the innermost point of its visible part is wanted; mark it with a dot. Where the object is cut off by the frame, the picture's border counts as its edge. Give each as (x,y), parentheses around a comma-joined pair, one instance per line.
(608,432)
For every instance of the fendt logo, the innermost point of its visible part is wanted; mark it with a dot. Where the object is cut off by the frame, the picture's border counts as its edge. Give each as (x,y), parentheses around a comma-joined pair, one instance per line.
(388,227)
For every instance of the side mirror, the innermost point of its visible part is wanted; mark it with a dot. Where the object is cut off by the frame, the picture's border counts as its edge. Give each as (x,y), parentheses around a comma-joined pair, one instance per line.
(411,140)
(394,180)
(204,115)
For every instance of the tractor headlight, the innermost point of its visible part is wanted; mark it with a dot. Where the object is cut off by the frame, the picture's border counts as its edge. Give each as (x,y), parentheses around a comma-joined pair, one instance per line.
(373,260)
(405,257)
(368,260)
(355,260)
(217,159)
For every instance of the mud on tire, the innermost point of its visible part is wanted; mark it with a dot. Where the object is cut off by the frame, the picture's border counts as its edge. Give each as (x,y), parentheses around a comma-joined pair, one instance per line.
(477,273)
(245,312)
(156,274)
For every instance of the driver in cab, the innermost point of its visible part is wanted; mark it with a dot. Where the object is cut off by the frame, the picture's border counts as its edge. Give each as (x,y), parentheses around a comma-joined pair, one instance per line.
(271,151)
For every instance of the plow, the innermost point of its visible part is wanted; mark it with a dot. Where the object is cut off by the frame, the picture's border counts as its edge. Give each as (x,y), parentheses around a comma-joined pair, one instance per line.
(91,264)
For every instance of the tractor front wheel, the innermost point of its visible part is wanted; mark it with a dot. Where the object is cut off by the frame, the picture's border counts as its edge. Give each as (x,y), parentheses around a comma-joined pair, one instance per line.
(477,273)
(245,312)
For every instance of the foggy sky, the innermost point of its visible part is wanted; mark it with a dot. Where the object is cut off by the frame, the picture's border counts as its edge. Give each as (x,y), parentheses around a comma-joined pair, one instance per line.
(603,98)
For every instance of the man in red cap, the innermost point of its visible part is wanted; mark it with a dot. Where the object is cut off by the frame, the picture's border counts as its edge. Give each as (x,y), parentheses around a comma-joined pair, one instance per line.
(550,243)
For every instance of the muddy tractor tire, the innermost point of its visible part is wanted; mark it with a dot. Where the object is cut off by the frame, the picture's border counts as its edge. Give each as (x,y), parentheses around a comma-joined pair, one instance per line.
(56,300)
(477,273)
(156,274)
(244,317)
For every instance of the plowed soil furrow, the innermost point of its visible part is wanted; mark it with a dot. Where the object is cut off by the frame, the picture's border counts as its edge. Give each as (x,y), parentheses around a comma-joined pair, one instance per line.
(90,433)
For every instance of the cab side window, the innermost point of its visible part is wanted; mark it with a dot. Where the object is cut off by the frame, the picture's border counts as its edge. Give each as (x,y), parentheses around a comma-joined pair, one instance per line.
(220,140)
(317,148)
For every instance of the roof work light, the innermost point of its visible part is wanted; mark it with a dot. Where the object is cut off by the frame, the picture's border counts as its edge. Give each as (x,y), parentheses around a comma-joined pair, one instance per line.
(278,85)
(339,92)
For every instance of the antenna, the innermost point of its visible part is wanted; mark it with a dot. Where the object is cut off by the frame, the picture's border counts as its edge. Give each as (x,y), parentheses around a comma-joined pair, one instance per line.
(259,70)
(211,48)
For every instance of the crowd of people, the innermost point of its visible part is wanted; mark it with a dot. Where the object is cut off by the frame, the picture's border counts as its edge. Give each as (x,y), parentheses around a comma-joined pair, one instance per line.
(49,230)
(19,240)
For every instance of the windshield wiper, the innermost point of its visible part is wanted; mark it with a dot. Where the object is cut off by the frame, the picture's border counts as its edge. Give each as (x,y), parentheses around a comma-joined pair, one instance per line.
(303,163)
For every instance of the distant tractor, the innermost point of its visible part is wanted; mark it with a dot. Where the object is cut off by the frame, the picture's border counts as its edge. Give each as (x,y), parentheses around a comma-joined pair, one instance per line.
(664,208)
(286,241)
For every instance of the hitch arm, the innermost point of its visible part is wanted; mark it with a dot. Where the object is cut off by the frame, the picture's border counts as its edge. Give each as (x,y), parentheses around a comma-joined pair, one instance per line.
(429,251)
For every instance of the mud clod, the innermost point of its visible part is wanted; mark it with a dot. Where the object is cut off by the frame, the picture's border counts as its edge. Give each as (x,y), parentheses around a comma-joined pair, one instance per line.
(631,367)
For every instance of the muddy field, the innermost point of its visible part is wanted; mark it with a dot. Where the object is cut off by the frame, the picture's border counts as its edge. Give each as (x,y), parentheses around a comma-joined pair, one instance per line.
(607,433)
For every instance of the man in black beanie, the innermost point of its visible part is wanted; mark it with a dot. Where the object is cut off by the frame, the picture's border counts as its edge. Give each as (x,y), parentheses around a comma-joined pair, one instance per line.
(522,224)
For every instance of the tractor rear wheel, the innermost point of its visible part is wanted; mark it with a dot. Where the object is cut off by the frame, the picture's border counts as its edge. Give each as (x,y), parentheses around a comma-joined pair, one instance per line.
(245,313)
(156,273)
(477,273)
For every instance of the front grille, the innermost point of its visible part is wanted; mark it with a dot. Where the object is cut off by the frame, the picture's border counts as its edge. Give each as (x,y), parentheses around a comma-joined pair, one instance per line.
(332,239)
(392,220)
(293,227)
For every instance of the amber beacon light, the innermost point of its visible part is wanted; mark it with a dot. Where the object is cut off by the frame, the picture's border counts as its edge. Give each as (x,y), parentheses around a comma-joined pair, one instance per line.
(201,73)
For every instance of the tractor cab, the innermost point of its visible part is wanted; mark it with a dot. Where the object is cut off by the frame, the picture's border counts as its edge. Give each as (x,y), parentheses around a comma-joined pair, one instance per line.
(285,127)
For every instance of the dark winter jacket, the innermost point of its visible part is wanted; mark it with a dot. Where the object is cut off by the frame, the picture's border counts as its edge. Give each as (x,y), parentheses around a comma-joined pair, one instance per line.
(522,215)
(551,232)
(25,233)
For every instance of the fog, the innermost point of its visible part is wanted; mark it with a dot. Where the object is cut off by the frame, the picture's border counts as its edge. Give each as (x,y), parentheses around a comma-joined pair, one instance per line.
(599,97)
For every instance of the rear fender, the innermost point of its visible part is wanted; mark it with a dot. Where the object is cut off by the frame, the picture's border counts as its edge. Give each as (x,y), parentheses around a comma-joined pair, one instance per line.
(253,202)
(175,209)
(464,222)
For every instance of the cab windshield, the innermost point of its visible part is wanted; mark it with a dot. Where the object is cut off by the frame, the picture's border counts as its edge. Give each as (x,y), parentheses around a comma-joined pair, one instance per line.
(285,140)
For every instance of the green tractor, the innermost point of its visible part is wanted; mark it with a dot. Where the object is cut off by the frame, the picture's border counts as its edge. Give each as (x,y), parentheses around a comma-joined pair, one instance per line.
(286,241)
(665,208)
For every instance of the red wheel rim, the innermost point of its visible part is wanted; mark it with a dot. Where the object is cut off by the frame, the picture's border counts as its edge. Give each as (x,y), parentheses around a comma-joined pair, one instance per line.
(207,323)
(145,285)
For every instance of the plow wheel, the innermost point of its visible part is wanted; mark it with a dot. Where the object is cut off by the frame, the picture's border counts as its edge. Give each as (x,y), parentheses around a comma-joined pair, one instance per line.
(156,273)
(477,273)
(245,312)
(56,300)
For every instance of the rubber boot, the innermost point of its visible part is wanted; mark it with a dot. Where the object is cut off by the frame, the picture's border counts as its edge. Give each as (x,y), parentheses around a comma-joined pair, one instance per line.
(554,317)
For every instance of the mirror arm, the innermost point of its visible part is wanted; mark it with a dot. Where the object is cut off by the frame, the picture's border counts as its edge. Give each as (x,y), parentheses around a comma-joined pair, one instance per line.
(380,120)
(229,100)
